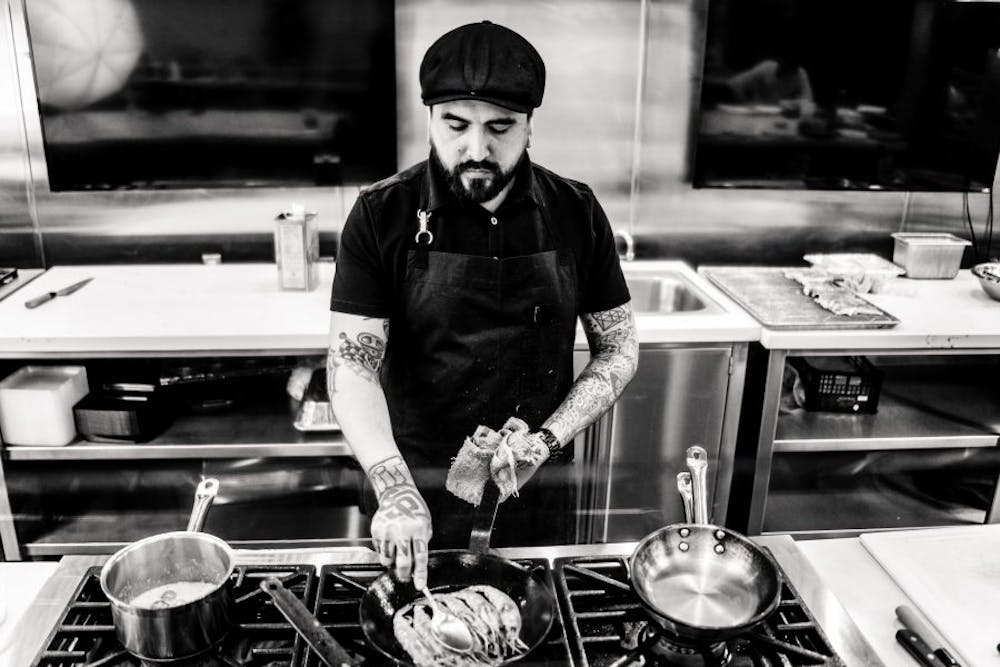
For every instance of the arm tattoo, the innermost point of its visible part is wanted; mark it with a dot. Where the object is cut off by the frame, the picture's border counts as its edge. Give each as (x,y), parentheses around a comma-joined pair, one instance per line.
(397,495)
(387,474)
(614,356)
(363,356)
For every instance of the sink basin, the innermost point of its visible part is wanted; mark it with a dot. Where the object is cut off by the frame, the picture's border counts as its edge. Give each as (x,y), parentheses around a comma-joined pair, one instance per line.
(666,293)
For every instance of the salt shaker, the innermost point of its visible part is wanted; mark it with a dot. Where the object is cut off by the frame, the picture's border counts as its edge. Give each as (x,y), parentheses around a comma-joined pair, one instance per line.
(296,249)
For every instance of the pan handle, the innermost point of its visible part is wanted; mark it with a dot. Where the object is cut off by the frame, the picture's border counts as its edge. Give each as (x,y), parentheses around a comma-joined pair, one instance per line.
(684,488)
(326,647)
(204,496)
(485,516)
(697,462)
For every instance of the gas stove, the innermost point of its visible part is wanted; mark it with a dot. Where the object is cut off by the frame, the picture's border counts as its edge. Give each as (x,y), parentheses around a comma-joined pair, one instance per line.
(608,626)
(85,636)
(601,622)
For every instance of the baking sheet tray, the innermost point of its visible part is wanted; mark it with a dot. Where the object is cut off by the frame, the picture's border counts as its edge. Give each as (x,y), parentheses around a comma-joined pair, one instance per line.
(777,302)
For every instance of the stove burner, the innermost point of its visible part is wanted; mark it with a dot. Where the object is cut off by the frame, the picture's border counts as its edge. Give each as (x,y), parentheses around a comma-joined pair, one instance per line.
(85,635)
(609,627)
(665,650)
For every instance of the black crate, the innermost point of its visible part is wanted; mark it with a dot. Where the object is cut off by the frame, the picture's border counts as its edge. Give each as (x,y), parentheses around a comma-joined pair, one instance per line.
(839,384)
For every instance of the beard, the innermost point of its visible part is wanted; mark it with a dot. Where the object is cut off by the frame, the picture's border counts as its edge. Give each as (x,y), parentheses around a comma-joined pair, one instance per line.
(480,188)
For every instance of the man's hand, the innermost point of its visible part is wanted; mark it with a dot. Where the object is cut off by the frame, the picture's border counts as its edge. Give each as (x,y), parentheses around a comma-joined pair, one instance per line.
(401,528)
(525,465)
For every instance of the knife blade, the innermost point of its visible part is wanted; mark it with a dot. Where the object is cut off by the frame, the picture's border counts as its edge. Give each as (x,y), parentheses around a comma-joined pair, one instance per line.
(48,296)
(914,620)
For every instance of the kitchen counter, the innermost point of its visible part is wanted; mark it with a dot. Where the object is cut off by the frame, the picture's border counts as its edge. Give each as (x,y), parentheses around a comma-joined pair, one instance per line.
(933,314)
(844,636)
(144,308)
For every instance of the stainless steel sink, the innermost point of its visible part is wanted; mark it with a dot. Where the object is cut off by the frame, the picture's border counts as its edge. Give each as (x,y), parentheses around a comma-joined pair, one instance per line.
(666,292)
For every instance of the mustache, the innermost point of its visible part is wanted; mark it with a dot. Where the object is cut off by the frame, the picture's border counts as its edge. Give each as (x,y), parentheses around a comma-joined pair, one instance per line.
(479,164)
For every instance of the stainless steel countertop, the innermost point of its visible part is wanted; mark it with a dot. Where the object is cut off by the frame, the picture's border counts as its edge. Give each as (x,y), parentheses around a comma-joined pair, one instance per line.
(843,634)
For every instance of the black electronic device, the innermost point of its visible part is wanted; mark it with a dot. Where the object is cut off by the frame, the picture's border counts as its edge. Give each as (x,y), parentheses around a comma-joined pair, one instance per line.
(838,384)
(185,94)
(849,95)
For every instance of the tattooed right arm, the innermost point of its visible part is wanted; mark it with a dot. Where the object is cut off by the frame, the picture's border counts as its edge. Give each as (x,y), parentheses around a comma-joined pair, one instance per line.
(401,528)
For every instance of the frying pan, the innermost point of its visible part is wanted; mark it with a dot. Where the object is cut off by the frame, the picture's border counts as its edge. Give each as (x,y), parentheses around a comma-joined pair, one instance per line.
(703,582)
(454,569)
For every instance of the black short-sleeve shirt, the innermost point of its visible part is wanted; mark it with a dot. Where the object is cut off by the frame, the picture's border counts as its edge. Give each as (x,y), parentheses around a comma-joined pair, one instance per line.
(380,230)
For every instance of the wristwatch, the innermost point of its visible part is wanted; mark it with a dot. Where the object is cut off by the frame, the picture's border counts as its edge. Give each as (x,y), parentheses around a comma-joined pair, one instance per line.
(551,441)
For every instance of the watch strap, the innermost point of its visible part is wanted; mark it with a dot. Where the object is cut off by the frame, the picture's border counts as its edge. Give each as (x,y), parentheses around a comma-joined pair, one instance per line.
(552,442)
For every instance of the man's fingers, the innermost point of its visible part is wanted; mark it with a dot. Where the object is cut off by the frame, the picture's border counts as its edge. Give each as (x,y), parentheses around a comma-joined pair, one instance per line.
(419,562)
(385,550)
(404,559)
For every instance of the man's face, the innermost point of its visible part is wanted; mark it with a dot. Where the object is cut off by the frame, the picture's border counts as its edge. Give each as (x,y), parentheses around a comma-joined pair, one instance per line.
(479,145)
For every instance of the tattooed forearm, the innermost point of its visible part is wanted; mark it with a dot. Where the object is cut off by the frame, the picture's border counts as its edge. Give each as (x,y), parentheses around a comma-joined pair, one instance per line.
(614,355)
(361,353)
(388,474)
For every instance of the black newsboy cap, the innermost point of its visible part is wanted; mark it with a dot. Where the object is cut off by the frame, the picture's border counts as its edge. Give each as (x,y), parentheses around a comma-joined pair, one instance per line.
(483,61)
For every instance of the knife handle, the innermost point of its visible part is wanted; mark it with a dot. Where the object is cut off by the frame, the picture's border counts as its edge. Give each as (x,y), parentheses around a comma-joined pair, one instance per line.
(39,300)
(918,648)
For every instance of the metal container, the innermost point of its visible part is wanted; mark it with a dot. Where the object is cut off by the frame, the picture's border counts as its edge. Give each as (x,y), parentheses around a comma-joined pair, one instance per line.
(296,249)
(929,255)
(185,630)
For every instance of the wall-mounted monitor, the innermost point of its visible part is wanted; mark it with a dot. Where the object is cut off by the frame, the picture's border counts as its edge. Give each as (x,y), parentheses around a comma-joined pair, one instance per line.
(849,95)
(185,94)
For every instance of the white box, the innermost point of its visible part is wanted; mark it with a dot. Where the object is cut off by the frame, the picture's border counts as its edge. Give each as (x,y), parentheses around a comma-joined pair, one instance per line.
(36,404)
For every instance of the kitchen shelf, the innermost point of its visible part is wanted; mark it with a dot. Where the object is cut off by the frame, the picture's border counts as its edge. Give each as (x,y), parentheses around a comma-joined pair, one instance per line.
(269,525)
(874,508)
(898,424)
(258,430)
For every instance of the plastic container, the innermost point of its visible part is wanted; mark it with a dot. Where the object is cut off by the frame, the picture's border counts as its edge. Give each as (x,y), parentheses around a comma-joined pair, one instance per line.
(36,404)
(929,255)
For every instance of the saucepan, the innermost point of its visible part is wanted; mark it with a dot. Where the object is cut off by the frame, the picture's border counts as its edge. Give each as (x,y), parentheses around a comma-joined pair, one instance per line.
(449,570)
(699,581)
(171,594)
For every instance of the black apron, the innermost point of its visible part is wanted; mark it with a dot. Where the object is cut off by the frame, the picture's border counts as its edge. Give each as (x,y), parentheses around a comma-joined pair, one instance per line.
(482,339)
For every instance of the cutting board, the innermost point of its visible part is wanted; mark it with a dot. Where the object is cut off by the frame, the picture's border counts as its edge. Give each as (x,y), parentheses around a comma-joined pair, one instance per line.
(777,302)
(953,576)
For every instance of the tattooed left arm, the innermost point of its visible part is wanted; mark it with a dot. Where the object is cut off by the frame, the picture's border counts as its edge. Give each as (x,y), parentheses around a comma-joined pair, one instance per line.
(614,349)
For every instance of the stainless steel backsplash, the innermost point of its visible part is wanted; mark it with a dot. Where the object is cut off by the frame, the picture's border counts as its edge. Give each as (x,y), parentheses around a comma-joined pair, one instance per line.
(622,75)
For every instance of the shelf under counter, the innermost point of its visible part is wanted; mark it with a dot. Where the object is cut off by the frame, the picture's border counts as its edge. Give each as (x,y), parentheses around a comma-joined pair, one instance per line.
(258,430)
(897,425)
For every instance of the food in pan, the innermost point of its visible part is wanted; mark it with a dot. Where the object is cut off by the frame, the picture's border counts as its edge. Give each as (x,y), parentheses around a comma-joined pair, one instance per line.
(172,595)
(491,615)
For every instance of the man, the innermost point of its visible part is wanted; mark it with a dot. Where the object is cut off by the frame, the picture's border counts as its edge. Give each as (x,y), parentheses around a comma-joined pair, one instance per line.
(458,285)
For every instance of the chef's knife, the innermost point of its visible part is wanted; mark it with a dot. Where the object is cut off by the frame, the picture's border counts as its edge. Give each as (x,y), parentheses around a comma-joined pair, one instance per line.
(48,296)
(913,620)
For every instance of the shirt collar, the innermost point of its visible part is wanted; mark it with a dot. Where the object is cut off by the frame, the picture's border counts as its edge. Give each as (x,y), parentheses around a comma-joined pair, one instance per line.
(525,187)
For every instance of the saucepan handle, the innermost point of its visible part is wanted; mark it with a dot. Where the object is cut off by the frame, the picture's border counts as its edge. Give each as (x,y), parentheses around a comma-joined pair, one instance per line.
(684,488)
(204,496)
(319,639)
(697,462)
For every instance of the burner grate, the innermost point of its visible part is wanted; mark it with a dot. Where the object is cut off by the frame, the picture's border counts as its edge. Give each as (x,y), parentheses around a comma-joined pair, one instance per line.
(339,596)
(605,622)
(85,635)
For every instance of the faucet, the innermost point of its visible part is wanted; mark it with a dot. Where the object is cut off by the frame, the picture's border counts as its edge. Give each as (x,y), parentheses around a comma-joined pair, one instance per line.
(629,240)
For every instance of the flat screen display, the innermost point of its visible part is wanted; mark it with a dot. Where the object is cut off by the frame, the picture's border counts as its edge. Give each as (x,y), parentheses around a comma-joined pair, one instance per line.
(849,94)
(161,94)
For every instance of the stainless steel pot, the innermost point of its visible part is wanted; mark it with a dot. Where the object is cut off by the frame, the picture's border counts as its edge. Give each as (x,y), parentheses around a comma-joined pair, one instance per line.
(168,632)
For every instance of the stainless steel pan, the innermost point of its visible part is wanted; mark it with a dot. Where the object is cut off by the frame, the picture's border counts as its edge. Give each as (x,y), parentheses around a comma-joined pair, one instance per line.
(164,630)
(703,582)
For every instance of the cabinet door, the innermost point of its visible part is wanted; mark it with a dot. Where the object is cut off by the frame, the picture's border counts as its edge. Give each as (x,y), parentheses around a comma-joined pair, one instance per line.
(676,399)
